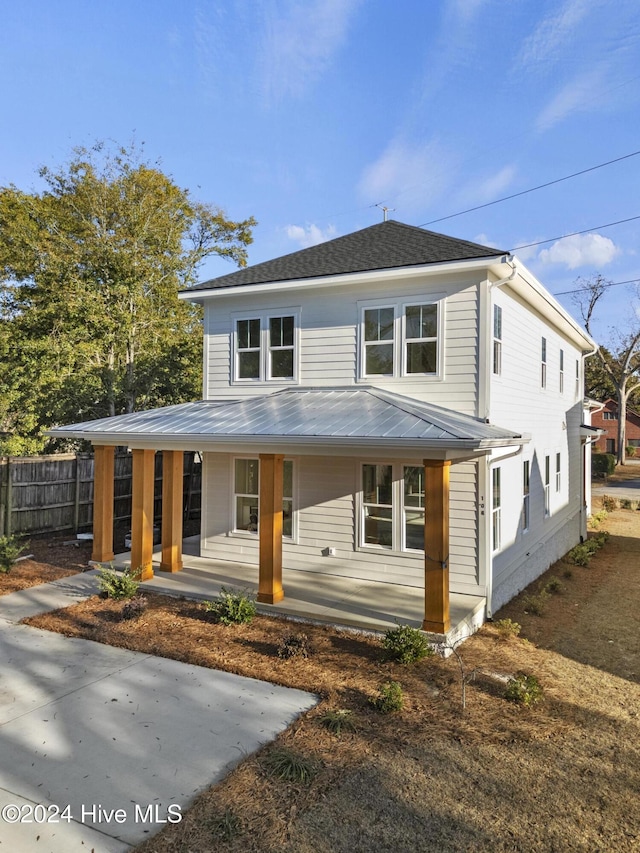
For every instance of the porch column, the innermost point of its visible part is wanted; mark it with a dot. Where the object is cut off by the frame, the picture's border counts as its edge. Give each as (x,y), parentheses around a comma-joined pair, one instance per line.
(142,512)
(103,474)
(172,487)
(436,546)
(270,528)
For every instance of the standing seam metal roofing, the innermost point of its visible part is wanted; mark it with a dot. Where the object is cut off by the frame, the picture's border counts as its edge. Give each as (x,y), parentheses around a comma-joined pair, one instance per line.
(364,412)
(386,245)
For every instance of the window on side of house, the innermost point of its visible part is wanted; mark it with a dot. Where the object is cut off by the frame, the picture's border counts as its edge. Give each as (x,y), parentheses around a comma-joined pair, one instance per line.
(561,379)
(543,364)
(248,360)
(526,488)
(379,341)
(610,416)
(281,347)
(497,340)
(547,485)
(421,339)
(578,394)
(265,348)
(247,496)
(496,510)
(413,508)
(377,503)
(558,472)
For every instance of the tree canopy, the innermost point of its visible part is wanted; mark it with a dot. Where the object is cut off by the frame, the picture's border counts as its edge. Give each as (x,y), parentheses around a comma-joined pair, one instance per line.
(90,268)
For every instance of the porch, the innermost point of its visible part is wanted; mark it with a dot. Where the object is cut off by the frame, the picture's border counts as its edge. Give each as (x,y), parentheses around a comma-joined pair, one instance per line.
(312,596)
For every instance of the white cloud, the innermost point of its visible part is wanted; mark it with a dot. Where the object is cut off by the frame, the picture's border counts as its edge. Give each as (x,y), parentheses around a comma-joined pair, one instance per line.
(492,187)
(410,175)
(310,235)
(554,32)
(581,250)
(300,41)
(584,92)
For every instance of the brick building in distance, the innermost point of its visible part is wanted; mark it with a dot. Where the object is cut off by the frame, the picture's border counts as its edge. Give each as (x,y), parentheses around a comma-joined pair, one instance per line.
(607,419)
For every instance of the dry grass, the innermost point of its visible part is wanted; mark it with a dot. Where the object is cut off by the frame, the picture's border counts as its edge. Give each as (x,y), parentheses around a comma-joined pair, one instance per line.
(562,776)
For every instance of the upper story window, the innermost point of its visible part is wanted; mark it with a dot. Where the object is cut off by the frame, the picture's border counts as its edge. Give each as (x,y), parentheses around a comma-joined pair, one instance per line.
(401,340)
(610,416)
(265,348)
(543,363)
(561,371)
(497,340)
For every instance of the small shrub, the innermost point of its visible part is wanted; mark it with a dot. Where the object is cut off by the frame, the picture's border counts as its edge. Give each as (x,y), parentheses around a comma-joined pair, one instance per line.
(339,721)
(535,604)
(596,519)
(609,504)
(225,826)
(119,585)
(626,503)
(553,585)
(580,555)
(631,451)
(134,607)
(603,464)
(389,699)
(233,607)
(10,549)
(567,573)
(295,645)
(406,645)
(507,628)
(289,766)
(524,689)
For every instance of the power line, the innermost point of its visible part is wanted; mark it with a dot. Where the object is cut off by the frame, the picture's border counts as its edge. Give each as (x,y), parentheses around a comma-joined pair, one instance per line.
(575,233)
(531,190)
(605,286)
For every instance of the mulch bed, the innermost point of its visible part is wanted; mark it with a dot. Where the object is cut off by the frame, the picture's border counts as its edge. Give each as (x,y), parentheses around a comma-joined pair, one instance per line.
(51,560)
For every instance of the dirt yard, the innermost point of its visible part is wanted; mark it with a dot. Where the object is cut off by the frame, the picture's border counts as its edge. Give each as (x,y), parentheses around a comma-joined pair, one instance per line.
(562,775)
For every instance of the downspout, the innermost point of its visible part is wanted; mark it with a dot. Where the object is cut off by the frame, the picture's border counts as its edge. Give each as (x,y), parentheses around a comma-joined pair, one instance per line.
(485,480)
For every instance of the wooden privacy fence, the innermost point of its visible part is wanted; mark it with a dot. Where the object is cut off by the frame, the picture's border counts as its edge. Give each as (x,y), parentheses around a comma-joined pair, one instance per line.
(50,494)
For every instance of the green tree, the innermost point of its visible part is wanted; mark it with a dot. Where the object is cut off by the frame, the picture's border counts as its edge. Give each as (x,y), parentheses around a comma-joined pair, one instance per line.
(90,269)
(620,363)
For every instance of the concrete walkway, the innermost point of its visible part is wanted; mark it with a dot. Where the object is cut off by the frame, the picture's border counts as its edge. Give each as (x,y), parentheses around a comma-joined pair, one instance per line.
(125,740)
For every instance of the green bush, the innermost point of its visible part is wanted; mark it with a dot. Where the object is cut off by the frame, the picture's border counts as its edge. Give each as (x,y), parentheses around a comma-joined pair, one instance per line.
(553,585)
(596,519)
(339,721)
(10,549)
(524,689)
(225,825)
(289,766)
(119,585)
(507,628)
(631,451)
(406,645)
(603,464)
(535,604)
(389,699)
(233,607)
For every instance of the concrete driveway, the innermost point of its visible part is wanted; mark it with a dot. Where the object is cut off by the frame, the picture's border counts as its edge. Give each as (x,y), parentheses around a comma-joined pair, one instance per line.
(100,746)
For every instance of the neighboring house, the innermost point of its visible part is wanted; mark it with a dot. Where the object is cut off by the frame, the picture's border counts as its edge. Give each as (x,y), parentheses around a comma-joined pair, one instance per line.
(607,419)
(394,405)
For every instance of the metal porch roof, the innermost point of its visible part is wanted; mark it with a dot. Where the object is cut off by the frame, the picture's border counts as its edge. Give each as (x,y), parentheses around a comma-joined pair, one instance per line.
(364,416)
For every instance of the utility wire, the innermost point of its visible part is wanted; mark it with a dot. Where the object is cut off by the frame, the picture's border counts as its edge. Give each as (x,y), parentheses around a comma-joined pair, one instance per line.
(606,286)
(531,190)
(574,233)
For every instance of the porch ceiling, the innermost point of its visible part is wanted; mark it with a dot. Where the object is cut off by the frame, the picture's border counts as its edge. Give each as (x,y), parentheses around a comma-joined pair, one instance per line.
(338,420)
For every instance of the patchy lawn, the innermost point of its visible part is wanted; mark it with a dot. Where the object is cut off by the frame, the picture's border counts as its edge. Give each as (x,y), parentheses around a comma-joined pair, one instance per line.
(563,775)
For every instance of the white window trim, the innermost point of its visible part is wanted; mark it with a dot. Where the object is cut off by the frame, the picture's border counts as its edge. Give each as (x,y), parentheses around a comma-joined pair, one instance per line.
(265,316)
(252,535)
(398,546)
(496,513)
(496,349)
(546,486)
(544,355)
(526,498)
(399,339)
(561,377)
(558,472)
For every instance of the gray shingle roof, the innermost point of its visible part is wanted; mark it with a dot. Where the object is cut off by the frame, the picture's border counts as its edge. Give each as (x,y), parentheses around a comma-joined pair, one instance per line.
(387,245)
(365,416)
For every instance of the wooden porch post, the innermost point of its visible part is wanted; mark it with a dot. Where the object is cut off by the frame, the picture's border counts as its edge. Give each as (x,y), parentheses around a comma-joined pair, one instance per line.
(103,474)
(270,528)
(436,546)
(172,487)
(142,513)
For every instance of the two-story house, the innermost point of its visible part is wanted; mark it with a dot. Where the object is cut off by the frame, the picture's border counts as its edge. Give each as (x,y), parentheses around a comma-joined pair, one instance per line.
(393,405)
(606,418)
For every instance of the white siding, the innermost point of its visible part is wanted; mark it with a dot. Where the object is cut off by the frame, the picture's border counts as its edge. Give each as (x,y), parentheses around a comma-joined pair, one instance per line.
(329,339)
(552,418)
(326,500)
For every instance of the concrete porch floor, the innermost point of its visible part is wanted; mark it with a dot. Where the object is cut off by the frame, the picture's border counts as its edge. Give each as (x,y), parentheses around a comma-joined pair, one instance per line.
(313,596)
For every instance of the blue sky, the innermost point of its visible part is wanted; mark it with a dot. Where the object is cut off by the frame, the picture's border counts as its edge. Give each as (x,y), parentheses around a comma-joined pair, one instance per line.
(306,113)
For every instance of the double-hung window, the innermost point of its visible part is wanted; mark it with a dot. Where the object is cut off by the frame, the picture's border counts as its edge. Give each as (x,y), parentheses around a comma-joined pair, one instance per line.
(558,472)
(401,340)
(265,348)
(497,340)
(393,506)
(547,486)
(578,394)
(247,496)
(543,364)
(561,371)
(496,510)
(526,489)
